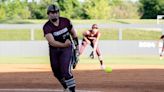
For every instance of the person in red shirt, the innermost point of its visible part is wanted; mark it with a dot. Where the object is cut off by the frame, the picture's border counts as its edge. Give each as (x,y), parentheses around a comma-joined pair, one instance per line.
(161,46)
(92,37)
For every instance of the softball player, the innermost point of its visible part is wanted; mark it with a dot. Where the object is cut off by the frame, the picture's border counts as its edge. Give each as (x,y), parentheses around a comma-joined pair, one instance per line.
(57,31)
(91,37)
(161,46)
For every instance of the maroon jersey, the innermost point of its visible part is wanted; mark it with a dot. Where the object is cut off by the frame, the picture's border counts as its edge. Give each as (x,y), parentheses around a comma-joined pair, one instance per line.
(91,35)
(60,32)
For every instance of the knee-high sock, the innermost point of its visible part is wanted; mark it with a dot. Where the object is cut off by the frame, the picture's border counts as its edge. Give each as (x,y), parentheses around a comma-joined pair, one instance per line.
(60,79)
(100,59)
(71,84)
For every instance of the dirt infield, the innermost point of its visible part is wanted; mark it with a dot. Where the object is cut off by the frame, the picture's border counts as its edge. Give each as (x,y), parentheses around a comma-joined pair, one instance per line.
(122,79)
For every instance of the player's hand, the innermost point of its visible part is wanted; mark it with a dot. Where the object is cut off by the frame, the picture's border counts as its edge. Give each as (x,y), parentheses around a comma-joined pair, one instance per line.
(67,43)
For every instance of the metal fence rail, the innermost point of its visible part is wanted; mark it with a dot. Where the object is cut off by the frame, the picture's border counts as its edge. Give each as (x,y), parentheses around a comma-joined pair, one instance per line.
(120,27)
(40,48)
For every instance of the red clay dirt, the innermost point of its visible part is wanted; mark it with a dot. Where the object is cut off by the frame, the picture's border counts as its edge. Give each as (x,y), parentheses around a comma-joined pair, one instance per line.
(88,77)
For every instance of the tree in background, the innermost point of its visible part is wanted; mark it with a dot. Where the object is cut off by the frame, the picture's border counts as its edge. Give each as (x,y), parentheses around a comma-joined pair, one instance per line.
(77,11)
(150,9)
(70,8)
(38,10)
(2,11)
(161,6)
(124,9)
(96,9)
(88,9)
(16,9)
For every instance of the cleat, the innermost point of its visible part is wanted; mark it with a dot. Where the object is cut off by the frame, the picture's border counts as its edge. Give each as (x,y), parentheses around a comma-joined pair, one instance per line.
(66,90)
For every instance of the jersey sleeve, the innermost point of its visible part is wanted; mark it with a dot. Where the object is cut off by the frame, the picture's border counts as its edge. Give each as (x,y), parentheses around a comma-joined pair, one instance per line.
(46,29)
(69,25)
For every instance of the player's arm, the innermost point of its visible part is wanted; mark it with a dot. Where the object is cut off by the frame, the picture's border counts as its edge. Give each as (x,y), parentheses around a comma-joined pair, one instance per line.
(73,33)
(55,43)
(75,43)
(85,37)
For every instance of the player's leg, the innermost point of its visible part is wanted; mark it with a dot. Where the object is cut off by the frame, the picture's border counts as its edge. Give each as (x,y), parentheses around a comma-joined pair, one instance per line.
(66,65)
(92,53)
(83,46)
(54,61)
(161,53)
(99,55)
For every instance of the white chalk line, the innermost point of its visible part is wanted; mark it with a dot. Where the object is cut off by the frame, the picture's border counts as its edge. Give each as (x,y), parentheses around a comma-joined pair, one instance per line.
(39,90)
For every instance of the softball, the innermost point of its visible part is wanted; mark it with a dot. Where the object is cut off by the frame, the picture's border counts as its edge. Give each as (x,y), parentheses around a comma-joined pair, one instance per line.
(108,70)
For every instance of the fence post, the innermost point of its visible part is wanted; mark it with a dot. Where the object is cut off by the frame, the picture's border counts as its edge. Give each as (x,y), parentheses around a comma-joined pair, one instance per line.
(32,34)
(120,34)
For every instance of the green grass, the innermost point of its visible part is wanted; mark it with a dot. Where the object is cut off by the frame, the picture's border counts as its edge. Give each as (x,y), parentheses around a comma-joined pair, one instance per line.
(140,34)
(106,34)
(87,21)
(24,60)
(133,60)
(14,35)
(25,21)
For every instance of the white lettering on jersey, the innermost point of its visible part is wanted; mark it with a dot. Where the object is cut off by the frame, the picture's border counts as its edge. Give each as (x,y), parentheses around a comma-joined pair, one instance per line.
(60,32)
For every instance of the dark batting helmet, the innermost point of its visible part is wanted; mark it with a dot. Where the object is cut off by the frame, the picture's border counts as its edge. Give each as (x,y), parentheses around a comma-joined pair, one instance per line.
(52,8)
(94,26)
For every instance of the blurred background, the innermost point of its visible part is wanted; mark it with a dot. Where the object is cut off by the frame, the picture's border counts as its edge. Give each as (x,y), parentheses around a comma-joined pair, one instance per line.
(82,9)
(128,27)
